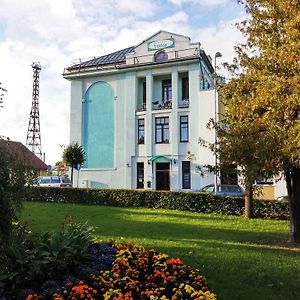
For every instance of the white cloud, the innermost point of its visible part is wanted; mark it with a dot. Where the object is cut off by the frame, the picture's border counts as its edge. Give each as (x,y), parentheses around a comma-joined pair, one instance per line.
(199,2)
(56,31)
(221,38)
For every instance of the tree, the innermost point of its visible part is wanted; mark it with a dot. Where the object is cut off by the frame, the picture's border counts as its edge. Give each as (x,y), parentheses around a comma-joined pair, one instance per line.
(262,120)
(73,156)
(14,176)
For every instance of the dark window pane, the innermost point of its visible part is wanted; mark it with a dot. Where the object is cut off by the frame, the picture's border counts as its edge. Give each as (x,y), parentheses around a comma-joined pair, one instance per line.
(55,180)
(144,92)
(166,90)
(140,175)
(159,135)
(184,129)
(162,130)
(186,175)
(233,189)
(160,56)
(141,131)
(185,88)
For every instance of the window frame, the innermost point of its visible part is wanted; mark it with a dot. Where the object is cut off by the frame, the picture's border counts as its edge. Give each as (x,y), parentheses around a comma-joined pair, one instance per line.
(186,170)
(144,93)
(185,88)
(184,125)
(140,130)
(164,128)
(160,56)
(166,90)
(140,166)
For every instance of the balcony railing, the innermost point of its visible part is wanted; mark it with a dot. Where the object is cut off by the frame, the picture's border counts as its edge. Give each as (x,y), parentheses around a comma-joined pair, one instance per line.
(141,107)
(133,59)
(184,103)
(159,104)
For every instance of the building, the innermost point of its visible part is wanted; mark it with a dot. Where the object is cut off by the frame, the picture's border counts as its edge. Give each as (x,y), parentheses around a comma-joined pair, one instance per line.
(24,155)
(139,113)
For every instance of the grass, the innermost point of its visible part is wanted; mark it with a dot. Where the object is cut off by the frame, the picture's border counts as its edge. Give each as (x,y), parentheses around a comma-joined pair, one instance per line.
(242,259)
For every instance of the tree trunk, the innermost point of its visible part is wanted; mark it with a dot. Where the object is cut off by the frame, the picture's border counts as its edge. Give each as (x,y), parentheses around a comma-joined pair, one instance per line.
(292,177)
(248,198)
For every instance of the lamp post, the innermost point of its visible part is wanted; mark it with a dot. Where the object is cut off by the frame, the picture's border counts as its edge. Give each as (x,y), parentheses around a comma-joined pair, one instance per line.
(217,55)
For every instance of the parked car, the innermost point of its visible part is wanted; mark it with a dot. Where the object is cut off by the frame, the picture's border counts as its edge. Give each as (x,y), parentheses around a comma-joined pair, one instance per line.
(282,198)
(224,190)
(54,181)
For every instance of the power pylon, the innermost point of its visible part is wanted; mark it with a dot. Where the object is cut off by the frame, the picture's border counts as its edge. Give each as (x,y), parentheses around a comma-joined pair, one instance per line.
(33,140)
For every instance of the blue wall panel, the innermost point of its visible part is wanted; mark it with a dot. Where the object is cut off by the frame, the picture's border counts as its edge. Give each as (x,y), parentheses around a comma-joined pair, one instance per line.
(99,126)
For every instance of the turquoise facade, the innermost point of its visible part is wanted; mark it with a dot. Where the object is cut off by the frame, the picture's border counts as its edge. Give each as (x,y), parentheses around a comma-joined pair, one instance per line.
(98,126)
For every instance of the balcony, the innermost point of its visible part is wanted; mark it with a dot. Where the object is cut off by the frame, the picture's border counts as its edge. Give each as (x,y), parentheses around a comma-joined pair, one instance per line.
(184,103)
(141,107)
(159,104)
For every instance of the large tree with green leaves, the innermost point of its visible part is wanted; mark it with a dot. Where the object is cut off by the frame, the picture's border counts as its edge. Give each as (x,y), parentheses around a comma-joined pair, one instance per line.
(261,124)
(73,156)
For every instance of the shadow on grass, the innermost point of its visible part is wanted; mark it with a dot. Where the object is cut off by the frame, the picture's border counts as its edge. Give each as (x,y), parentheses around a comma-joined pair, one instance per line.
(240,261)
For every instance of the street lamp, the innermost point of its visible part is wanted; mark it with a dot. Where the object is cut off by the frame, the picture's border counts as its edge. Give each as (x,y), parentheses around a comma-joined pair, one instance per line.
(217,55)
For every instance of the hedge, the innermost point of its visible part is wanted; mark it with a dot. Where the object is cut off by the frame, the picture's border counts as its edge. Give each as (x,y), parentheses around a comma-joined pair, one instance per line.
(185,201)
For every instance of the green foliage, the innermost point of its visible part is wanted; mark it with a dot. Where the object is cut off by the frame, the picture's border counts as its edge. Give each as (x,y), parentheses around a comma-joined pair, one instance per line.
(260,127)
(53,253)
(14,175)
(194,202)
(73,155)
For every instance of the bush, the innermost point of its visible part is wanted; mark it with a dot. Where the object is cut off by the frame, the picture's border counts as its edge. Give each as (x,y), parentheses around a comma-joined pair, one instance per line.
(31,262)
(195,202)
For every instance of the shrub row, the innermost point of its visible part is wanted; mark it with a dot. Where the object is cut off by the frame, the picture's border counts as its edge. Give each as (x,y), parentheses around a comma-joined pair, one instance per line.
(192,201)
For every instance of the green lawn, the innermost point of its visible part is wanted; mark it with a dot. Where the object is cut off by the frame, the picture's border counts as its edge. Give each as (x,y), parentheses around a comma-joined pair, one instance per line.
(242,259)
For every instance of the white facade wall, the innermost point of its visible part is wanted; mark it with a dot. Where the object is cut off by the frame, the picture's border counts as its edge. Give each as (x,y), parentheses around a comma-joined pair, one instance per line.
(128,152)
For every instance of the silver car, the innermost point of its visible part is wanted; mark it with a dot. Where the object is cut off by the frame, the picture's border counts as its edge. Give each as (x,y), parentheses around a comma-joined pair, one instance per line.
(224,190)
(54,181)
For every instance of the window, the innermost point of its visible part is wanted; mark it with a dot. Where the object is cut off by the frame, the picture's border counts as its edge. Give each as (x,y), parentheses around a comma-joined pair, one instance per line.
(160,56)
(186,175)
(141,131)
(162,130)
(185,88)
(184,129)
(167,90)
(140,175)
(144,95)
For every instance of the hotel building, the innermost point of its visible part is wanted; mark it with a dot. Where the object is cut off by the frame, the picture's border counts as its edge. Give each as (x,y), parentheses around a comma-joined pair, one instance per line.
(139,113)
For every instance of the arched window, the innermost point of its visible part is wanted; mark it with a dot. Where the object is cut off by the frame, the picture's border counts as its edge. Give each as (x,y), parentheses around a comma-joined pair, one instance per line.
(160,56)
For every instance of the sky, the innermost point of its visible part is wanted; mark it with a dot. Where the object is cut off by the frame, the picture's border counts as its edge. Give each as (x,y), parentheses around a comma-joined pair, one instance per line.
(57,32)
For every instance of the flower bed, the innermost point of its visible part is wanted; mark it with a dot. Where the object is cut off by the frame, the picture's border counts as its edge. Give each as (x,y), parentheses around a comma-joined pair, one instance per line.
(135,273)
(67,265)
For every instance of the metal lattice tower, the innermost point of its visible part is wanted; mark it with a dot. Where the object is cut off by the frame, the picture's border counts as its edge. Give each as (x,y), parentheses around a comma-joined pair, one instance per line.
(33,140)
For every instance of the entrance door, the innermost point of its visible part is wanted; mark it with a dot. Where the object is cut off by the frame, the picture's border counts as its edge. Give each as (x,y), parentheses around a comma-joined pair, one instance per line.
(162,176)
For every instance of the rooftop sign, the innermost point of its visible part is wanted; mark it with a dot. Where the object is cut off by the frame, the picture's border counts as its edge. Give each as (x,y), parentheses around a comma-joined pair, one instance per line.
(162,44)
